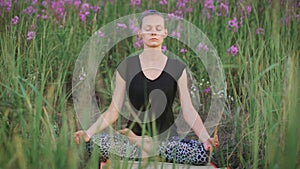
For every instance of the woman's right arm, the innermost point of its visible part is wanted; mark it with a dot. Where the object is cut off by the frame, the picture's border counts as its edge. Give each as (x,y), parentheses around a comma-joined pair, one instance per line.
(109,116)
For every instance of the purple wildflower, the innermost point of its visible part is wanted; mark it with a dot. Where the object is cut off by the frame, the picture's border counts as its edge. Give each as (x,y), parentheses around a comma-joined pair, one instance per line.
(8,6)
(133,26)
(181,3)
(60,12)
(249,9)
(69,2)
(82,76)
(175,34)
(44,16)
(77,3)
(209,8)
(96,8)
(84,12)
(233,24)
(164,48)
(58,8)
(34,2)
(82,15)
(233,50)
(15,20)
(138,43)
(189,9)
(32,27)
(209,4)
(208,15)
(179,13)
(135,2)
(182,50)
(173,16)
(223,9)
(242,20)
(45,3)
(29,10)
(207,90)
(202,47)
(100,33)
(30,35)
(121,26)
(260,31)
(163,2)
(85,7)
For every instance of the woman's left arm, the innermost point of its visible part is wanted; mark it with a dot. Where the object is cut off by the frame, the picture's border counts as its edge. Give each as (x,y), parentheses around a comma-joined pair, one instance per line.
(190,115)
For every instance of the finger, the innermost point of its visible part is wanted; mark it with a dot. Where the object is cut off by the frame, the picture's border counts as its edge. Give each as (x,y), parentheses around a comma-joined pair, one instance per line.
(77,140)
(217,138)
(121,131)
(77,137)
(208,147)
(125,130)
(211,140)
(217,144)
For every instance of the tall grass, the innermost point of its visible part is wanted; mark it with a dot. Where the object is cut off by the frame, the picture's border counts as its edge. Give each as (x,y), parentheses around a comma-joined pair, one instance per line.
(258,130)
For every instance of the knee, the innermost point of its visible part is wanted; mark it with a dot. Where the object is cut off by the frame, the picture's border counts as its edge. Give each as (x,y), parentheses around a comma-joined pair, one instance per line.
(202,156)
(201,159)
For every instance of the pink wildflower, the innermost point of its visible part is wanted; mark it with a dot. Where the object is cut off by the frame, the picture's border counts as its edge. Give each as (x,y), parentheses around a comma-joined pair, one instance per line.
(260,31)
(233,50)
(233,24)
(207,90)
(30,35)
(164,48)
(15,20)
(163,2)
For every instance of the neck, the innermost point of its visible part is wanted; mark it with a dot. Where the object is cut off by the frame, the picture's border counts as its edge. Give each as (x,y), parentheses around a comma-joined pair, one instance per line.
(152,53)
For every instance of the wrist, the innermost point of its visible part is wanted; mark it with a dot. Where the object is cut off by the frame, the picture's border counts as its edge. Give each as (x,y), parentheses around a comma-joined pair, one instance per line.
(203,138)
(88,134)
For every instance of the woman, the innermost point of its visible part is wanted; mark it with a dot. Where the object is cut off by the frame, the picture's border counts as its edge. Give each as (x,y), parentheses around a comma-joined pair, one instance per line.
(150,79)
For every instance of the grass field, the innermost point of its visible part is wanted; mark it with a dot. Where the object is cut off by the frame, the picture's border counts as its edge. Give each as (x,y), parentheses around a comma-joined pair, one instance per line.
(257,41)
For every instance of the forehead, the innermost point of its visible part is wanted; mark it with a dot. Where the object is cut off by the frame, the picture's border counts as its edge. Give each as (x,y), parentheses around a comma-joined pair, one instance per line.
(153,20)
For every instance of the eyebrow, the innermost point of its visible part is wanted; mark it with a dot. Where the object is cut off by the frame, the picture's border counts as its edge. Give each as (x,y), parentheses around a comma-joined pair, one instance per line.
(152,25)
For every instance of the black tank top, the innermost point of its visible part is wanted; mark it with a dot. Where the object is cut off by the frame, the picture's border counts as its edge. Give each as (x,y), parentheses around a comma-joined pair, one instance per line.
(152,100)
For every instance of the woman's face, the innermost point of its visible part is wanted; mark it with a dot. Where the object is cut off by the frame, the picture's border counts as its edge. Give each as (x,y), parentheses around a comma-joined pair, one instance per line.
(153,31)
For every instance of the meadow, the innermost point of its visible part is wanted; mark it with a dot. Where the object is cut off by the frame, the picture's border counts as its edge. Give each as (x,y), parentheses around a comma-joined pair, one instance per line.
(256,42)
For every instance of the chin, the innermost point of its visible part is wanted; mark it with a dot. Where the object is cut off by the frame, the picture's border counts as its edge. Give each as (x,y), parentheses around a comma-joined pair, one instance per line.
(153,45)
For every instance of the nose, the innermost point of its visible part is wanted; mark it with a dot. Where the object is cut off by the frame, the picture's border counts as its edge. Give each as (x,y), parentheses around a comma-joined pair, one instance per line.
(153,33)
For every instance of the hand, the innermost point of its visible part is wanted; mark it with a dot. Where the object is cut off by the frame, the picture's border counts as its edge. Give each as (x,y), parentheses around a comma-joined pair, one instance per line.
(130,134)
(211,143)
(81,134)
(142,141)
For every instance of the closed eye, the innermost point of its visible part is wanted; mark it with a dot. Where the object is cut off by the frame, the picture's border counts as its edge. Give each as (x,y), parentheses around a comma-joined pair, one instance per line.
(148,28)
(158,27)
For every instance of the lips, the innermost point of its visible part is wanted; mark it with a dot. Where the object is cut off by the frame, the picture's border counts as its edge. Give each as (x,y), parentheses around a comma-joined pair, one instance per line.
(153,39)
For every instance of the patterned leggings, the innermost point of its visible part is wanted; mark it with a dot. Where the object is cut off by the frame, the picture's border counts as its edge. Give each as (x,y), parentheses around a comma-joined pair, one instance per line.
(177,150)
